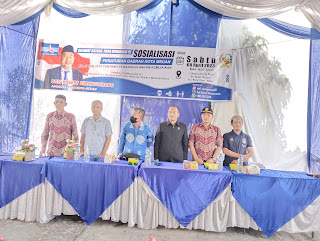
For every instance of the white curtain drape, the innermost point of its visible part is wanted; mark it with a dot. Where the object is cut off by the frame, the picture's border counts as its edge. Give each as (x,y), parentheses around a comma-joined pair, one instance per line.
(14,11)
(311,10)
(17,10)
(264,9)
(249,8)
(259,97)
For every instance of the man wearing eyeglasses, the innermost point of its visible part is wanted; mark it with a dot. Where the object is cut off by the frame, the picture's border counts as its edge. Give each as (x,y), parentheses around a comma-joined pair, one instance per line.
(96,132)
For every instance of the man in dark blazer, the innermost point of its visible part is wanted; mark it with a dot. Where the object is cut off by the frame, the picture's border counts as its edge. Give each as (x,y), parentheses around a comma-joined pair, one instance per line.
(171,142)
(65,72)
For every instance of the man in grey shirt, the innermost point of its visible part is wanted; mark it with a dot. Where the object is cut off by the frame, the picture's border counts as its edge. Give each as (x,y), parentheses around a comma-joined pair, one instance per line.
(171,142)
(96,132)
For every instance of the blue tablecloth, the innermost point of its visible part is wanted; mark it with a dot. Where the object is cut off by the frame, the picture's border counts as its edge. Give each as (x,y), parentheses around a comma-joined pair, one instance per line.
(185,193)
(89,187)
(274,197)
(18,177)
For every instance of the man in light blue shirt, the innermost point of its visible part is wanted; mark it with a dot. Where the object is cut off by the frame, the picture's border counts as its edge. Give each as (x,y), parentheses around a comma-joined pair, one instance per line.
(96,132)
(136,136)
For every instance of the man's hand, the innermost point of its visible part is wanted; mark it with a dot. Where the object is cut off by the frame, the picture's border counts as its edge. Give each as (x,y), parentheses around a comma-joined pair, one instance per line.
(235,162)
(101,155)
(211,160)
(42,152)
(199,160)
(245,158)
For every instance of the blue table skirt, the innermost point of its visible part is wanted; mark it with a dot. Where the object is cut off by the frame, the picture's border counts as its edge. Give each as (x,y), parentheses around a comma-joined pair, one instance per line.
(274,197)
(89,187)
(185,193)
(18,177)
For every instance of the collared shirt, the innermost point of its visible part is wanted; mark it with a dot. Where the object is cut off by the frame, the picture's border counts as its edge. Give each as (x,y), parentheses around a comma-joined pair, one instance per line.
(235,143)
(135,140)
(171,142)
(95,133)
(57,129)
(67,76)
(205,140)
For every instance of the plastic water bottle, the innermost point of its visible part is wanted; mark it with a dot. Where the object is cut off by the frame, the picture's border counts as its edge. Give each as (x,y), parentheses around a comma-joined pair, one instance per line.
(240,164)
(220,162)
(76,153)
(87,154)
(147,158)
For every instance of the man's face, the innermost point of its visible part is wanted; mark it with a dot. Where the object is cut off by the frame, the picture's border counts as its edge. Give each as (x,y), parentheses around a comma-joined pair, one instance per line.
(206,117)
(67,59)
(59,104)
(96,108)
(237,124)
(135,114)
(173,114)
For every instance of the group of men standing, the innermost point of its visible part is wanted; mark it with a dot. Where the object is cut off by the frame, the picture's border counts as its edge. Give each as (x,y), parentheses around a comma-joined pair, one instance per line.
(171,140)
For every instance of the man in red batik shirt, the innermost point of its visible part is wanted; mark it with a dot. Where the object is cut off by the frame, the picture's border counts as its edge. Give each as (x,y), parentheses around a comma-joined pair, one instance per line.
(205,139)
(60,126)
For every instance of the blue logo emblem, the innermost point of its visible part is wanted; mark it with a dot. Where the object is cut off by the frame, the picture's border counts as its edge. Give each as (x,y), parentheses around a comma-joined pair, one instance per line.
(50,49)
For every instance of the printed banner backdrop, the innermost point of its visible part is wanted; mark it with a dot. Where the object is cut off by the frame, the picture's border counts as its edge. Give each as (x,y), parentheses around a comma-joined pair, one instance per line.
(156,111)
(139,70)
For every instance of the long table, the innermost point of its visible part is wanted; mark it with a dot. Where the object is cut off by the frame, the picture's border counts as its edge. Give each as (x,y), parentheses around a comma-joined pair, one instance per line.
(168,195)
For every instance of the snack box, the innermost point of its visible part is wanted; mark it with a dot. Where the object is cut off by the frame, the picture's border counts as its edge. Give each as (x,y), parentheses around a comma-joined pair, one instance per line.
(192,165)
(18,157)
(252,169)
(233,167)
(210,166)
(133,161)
(109,158)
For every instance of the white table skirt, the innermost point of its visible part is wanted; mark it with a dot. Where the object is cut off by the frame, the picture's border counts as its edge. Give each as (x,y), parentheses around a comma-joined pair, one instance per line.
(27,207)
(139,205)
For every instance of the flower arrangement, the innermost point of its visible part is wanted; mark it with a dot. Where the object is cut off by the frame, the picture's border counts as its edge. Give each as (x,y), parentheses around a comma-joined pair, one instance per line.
(27,147)
(71,145)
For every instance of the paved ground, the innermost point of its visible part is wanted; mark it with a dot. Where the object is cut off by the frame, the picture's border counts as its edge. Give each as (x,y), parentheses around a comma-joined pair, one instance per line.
(72,228)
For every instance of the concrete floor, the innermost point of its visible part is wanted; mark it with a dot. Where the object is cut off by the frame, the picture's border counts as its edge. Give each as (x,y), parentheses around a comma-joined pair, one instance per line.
(73,228)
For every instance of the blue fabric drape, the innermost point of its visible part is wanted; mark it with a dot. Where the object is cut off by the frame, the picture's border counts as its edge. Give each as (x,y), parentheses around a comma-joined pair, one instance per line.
(274,197)
(314,108)
(17,51)
(192,27)
(91,187)
(185,193)
(16,178)
(167,24)
(290,29)
(69,12)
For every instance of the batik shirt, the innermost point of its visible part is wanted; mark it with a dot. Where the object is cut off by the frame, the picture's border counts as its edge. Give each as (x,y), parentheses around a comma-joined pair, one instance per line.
(57,129)
(205,140)
(135,140)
